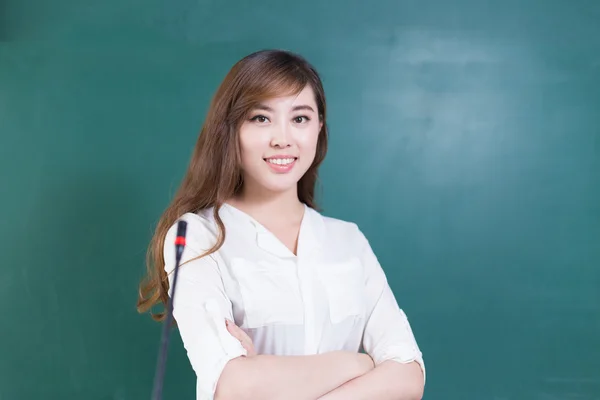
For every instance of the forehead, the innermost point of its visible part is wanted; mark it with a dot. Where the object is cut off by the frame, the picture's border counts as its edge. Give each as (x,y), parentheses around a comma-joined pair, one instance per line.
(305,97)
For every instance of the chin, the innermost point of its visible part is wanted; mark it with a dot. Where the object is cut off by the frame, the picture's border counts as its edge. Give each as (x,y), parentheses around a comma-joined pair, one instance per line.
(279,184)
(280,188)
(275,183)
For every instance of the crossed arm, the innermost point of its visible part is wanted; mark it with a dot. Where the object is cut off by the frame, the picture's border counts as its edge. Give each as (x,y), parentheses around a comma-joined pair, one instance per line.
(336,375)
(266,377)
(390,380)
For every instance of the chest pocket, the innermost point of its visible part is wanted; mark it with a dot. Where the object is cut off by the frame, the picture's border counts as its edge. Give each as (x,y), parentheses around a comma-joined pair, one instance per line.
(270,293)
(345,287)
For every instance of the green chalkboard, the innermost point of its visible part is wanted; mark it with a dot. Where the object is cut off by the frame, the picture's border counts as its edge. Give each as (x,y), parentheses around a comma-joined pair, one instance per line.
(465,142)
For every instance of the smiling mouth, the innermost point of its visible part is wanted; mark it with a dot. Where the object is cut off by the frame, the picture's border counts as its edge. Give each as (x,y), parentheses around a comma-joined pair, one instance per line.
(281,161)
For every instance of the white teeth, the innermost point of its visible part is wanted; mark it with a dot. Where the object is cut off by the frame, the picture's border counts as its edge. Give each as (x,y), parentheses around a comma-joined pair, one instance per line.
(280,161)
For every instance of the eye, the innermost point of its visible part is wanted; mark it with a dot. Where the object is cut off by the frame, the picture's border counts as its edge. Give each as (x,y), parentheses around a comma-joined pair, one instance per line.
(302,119)
(261,119)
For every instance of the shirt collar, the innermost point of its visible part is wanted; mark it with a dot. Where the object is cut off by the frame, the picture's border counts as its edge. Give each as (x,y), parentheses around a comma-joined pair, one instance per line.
(309,239)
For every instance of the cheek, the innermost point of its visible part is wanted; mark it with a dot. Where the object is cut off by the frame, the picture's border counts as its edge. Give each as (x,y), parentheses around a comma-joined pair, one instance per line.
(251,146)
(308,142)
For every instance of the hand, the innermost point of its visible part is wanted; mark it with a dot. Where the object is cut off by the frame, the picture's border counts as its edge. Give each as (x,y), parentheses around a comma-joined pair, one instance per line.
(240,335)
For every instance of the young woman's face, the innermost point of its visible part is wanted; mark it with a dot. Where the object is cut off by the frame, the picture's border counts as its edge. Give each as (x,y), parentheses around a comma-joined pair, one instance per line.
(278,141)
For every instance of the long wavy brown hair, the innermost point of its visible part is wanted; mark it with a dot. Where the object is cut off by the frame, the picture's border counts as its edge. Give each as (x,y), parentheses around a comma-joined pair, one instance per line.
(214,174)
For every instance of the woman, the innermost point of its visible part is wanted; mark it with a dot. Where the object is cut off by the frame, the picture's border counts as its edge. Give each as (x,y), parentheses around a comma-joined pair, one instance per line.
(275,300)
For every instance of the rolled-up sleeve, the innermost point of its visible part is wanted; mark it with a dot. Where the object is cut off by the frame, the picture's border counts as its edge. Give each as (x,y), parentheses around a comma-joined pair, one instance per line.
(200,307)
(388,334)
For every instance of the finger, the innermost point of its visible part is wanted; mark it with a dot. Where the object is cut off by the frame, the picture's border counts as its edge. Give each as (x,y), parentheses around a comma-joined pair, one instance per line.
(244,340)
(237,332)
(250,351)
(233,330)
(249,347)
(240,335)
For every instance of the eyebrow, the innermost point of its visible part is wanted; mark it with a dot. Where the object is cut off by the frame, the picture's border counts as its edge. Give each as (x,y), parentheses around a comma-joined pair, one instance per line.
(296,108)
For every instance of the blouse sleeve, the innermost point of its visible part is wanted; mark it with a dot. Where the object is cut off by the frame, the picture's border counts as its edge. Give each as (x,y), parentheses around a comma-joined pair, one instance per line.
(388,335)
(200,307)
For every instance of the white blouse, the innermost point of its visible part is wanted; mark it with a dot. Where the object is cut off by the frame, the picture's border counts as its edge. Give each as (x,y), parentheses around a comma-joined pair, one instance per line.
(333,295)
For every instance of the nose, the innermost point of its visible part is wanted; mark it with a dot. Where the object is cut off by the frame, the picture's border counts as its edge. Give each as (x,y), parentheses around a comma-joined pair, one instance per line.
(281,137)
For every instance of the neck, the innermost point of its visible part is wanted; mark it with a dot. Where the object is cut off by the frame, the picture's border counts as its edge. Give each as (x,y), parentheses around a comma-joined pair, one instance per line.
(269,205)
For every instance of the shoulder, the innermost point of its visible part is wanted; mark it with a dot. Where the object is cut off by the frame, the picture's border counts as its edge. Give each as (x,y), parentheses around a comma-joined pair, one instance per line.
(342,230)
(345,242)
(201,231)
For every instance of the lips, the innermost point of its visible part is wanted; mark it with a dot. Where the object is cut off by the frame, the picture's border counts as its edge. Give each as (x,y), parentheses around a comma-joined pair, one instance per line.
(280,160)
(281,164)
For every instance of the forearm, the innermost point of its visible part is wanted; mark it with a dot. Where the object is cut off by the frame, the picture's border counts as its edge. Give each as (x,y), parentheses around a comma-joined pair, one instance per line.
(268,377)
(390,380)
